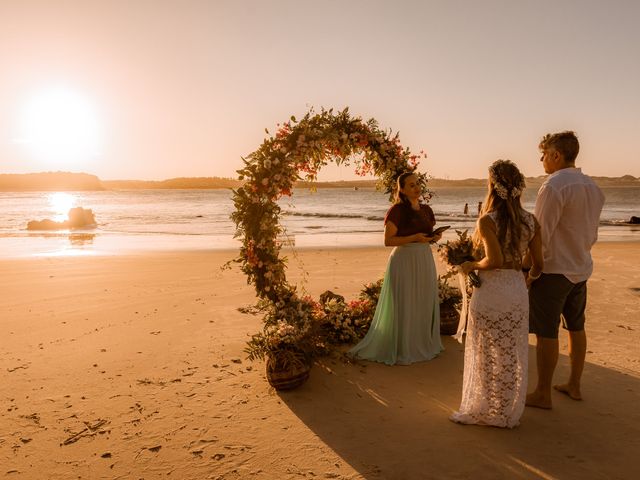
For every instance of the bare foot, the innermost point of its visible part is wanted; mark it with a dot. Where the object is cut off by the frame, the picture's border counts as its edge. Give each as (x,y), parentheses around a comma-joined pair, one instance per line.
(538,400)
(573,393)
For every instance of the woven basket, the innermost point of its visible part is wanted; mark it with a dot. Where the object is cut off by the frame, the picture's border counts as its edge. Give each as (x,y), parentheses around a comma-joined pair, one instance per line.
(449,318)
(287,375)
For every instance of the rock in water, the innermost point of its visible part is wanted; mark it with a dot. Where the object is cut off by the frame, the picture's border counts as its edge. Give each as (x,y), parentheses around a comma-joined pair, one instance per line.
(78,218)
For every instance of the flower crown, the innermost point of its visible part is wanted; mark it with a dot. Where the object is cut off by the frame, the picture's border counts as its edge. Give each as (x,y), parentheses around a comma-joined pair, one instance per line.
(502,189)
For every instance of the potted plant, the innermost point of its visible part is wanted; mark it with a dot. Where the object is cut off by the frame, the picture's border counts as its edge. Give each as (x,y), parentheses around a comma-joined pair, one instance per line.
(450,305)
(288,341)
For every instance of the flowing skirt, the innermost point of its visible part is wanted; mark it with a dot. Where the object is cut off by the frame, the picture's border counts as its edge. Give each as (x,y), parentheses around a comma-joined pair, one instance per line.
(406,325)
(495,357)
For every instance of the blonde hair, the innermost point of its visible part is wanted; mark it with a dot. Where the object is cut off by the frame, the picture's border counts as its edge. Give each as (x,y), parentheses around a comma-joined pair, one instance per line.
(564,142)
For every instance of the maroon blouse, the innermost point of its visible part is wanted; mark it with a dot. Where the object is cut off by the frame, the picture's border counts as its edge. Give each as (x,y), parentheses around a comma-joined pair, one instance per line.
(411,221)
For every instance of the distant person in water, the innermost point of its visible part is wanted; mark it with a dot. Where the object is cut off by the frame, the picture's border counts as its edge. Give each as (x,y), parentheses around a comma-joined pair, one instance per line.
(479,207)
(568,209)
(466,208)
(406,324)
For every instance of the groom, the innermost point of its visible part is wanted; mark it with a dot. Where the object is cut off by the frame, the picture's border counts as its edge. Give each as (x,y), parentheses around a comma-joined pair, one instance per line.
(568,209)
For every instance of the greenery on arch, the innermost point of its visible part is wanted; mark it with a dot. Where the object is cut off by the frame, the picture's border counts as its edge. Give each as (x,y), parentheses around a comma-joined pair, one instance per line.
(297,151)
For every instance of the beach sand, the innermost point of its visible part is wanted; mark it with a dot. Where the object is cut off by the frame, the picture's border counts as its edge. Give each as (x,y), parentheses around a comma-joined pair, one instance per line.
(132,367)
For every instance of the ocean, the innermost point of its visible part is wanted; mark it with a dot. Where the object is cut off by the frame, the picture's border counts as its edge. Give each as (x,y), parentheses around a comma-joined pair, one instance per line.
(156,220)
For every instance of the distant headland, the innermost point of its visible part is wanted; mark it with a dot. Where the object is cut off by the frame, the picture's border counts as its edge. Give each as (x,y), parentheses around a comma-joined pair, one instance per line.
(66,181)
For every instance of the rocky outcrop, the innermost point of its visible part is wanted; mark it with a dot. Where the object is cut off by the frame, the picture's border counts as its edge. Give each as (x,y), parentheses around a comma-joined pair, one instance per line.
(78,218)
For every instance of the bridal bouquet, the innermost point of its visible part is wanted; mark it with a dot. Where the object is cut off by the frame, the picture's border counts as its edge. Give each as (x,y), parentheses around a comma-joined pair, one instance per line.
(456,252)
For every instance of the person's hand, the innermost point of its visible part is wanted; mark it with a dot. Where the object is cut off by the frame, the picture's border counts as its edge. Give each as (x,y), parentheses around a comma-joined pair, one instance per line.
(529,279)
(421,238)
(467,267)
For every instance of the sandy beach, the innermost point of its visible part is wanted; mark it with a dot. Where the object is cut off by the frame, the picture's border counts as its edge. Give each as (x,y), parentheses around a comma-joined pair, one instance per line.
(132,367)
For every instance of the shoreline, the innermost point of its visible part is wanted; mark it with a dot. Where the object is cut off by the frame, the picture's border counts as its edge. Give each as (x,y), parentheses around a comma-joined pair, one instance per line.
(88,243)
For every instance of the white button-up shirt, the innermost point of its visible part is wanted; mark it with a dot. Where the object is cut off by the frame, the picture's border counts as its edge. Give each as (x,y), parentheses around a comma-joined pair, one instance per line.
(568,209)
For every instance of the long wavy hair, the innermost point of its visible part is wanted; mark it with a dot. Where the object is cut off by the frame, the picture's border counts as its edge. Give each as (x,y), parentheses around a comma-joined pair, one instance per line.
(505,188)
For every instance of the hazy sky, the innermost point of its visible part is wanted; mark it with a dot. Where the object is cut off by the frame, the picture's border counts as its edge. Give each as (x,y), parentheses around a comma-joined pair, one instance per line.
(152,89)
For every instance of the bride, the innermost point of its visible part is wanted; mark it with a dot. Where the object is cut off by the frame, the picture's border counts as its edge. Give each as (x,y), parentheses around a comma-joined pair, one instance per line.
(495,358)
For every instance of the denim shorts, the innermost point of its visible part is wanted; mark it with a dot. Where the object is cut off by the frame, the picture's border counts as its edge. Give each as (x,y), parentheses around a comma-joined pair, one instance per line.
(554,299)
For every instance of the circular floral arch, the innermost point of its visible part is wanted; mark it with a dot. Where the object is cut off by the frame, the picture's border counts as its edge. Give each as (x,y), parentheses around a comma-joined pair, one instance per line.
(297,152)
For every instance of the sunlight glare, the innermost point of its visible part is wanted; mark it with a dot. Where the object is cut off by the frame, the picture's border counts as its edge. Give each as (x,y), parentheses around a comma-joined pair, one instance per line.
(60,203)
(61,128)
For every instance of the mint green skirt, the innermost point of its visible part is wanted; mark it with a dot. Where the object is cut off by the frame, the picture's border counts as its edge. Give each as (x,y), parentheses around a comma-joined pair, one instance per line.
(406,325)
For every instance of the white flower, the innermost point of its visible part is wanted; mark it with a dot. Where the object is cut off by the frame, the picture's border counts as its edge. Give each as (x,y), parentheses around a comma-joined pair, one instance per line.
(265,181)
(501,190)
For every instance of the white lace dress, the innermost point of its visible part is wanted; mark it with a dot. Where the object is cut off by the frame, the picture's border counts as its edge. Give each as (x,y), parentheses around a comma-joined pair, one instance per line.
(496,349)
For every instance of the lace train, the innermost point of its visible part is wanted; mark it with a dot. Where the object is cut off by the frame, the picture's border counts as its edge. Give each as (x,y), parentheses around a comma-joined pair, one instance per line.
(496,352)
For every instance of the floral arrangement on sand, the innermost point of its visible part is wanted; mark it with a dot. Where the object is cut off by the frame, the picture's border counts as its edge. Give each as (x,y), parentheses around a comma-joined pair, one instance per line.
(300,329)
(451,300)
(450,296)
(291,329)
(348,322)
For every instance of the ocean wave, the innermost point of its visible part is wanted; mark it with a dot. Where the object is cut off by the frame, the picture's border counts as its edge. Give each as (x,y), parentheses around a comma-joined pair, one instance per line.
(375,218)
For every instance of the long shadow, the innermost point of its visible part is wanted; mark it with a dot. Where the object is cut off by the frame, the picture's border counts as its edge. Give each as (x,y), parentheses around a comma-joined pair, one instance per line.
(392,423)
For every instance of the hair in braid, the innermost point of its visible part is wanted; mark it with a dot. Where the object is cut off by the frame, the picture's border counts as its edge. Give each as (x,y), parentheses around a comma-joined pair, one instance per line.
(506,184)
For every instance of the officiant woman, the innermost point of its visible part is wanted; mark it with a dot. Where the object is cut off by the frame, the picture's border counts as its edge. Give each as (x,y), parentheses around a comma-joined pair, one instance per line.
(406,324)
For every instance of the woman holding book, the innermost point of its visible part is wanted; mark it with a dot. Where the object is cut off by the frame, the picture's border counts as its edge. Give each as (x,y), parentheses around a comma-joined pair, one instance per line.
(496,351)
(406,324)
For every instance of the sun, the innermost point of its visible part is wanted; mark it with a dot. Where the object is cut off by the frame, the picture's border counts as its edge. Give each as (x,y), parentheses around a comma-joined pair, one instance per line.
(60,203)
(61,129)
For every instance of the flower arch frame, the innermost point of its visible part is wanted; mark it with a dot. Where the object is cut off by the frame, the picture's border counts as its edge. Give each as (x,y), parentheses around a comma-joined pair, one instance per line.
(297,151)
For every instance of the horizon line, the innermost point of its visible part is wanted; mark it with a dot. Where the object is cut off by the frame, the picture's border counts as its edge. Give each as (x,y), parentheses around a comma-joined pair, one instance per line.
(235,179)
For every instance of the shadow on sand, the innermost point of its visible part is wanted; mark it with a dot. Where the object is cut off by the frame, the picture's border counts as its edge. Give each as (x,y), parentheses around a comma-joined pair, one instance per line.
(392,423)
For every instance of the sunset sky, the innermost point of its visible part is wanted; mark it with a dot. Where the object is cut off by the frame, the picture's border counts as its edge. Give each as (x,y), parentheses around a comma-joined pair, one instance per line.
(153,89)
